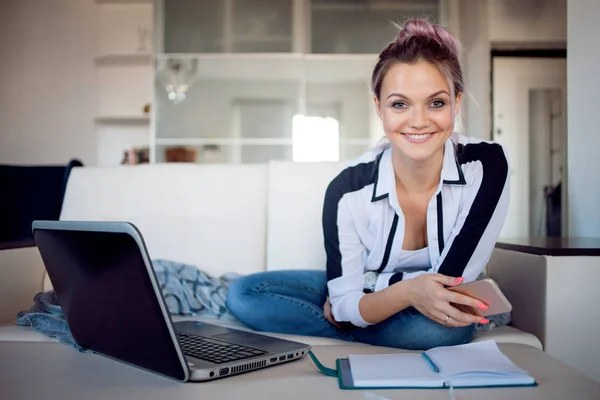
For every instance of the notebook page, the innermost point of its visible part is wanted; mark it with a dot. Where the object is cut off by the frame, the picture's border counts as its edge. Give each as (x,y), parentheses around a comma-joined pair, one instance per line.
(480,357)
(490,380)
(391,370)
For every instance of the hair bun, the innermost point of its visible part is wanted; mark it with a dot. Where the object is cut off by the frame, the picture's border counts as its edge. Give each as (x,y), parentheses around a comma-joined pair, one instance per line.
(418,27)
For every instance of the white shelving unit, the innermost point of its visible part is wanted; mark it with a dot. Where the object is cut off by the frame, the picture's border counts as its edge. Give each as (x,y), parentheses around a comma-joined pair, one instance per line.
(125,120)
(312,57)
(208,116)
(275,57)
(124,74)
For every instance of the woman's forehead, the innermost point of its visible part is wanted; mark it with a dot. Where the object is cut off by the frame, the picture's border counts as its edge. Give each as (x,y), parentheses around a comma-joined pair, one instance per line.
(413,80)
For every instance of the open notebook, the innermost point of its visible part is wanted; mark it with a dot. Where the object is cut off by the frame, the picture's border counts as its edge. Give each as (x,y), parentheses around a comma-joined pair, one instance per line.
(479,364)
(469,365)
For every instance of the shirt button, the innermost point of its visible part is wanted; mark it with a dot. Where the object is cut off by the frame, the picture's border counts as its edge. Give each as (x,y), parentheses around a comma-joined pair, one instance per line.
(434,238)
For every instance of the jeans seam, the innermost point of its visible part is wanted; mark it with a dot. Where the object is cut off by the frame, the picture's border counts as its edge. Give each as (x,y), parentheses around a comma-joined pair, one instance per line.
(304,305)
(265,284)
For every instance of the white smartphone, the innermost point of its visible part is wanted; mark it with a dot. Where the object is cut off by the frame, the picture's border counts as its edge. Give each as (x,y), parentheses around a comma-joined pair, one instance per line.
(486,291)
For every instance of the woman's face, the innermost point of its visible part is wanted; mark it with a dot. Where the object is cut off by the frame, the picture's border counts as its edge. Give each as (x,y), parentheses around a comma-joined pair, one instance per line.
(415,109)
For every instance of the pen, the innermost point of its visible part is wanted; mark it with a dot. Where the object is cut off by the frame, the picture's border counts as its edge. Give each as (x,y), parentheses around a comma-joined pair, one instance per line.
(430,362)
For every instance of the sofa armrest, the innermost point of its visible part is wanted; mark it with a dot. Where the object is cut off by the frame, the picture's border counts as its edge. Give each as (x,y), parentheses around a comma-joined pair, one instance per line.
(21,277)
(522,278)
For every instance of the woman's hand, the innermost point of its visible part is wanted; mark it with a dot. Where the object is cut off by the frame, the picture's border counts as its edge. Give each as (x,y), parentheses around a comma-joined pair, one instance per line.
(328,314)
(428,295)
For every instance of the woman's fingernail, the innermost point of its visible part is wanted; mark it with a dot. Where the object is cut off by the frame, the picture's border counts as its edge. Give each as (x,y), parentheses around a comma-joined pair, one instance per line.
(484,321)
(482,306)
(459,280)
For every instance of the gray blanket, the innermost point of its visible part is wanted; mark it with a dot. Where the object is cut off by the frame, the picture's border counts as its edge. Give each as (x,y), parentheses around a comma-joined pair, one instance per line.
(188,291)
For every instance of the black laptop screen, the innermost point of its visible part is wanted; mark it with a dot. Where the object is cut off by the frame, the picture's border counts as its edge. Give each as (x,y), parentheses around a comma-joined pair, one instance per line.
(107,296)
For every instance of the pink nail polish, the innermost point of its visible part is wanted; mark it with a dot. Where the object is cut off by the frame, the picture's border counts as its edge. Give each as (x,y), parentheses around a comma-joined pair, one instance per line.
(484,321)
(482,306)
(459,280)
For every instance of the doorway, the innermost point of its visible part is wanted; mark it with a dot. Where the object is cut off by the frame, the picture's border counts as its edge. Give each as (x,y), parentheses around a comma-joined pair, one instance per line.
(529,119)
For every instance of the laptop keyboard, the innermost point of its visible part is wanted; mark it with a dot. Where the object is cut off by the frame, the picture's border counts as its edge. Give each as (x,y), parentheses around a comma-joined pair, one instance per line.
(213,350)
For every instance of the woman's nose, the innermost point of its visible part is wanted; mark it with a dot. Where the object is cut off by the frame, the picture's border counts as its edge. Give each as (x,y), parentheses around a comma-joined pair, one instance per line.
(418,119)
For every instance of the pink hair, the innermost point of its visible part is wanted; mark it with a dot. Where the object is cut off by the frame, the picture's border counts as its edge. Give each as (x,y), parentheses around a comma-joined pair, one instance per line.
(420,40)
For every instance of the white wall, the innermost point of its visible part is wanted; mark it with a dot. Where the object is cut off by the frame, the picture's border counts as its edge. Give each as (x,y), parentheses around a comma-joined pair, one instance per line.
(583,83)
(527,21)
(47,81)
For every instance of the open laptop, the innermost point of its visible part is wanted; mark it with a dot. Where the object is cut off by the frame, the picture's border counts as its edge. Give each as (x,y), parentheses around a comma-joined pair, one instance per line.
(108,290)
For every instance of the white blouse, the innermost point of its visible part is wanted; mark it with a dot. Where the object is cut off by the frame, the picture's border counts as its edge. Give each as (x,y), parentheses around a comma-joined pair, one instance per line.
(363,223)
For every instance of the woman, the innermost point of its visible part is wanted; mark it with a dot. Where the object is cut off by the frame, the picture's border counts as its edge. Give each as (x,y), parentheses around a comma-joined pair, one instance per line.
(407,220)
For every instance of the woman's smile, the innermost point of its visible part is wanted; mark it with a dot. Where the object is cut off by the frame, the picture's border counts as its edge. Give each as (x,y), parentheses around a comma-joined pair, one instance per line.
(418,137)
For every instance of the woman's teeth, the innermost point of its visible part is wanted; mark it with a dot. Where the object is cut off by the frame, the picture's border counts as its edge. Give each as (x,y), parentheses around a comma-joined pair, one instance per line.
(418,137)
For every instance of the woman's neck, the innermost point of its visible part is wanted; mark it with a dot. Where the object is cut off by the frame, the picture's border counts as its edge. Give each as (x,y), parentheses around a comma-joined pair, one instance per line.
(418,176)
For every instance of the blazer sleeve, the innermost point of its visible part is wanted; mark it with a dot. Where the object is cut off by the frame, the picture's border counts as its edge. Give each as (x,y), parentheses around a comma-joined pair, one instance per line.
(346,257)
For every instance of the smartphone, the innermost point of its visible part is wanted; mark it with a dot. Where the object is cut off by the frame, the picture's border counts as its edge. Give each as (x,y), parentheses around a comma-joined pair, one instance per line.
(486,291)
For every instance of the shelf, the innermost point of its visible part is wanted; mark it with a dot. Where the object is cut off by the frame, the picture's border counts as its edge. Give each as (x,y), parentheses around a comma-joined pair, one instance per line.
(124,120)
(248,141)
(224,141)
(125,59)
(263,39)
(278,67)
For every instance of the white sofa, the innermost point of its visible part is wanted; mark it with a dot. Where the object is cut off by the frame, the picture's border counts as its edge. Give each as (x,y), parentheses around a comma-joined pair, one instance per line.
(221,218)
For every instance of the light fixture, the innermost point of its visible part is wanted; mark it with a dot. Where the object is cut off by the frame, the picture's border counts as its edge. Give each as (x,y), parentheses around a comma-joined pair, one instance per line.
(177,76)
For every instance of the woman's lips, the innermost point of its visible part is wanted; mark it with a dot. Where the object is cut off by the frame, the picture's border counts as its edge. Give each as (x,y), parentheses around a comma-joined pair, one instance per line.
(418,137)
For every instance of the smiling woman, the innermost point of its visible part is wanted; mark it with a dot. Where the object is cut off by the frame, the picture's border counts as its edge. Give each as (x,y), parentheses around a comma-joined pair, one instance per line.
(403,222)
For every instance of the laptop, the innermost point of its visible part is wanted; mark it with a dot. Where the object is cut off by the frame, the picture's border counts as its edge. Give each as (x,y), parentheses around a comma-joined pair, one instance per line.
(108,290)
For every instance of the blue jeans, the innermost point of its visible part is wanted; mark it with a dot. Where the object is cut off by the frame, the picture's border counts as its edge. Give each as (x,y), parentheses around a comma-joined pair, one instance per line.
(292,302)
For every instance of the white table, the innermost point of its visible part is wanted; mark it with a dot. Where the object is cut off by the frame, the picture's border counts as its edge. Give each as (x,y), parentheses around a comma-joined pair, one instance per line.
(44,370)
(558,278)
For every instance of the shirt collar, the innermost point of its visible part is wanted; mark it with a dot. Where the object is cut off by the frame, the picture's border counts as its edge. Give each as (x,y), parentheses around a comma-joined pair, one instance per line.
(452,173)
(385,182)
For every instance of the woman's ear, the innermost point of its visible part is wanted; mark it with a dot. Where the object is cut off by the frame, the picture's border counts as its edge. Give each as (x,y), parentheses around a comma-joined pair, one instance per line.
(376,103)
(457,103)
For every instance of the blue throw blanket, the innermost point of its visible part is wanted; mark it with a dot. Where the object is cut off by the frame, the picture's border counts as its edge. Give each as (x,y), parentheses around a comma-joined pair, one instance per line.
(187,290)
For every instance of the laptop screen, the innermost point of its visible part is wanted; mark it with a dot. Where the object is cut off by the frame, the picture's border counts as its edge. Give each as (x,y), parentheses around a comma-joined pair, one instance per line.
(105,291)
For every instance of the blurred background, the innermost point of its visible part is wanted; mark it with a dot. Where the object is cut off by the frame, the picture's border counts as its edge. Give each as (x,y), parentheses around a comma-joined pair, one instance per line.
(113,82)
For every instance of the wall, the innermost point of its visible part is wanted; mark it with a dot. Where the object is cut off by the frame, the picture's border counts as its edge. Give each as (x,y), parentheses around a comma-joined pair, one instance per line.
(527,21)
(47,81)
(583,82)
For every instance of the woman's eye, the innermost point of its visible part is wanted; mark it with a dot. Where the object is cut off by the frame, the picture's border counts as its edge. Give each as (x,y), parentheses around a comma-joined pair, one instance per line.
(438,104)
(399,105)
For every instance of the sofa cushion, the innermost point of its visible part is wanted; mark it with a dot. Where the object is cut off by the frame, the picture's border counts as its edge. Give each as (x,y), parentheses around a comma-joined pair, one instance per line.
(14,333)
(508,334)
(211,216)
(503,334)
(295,207)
